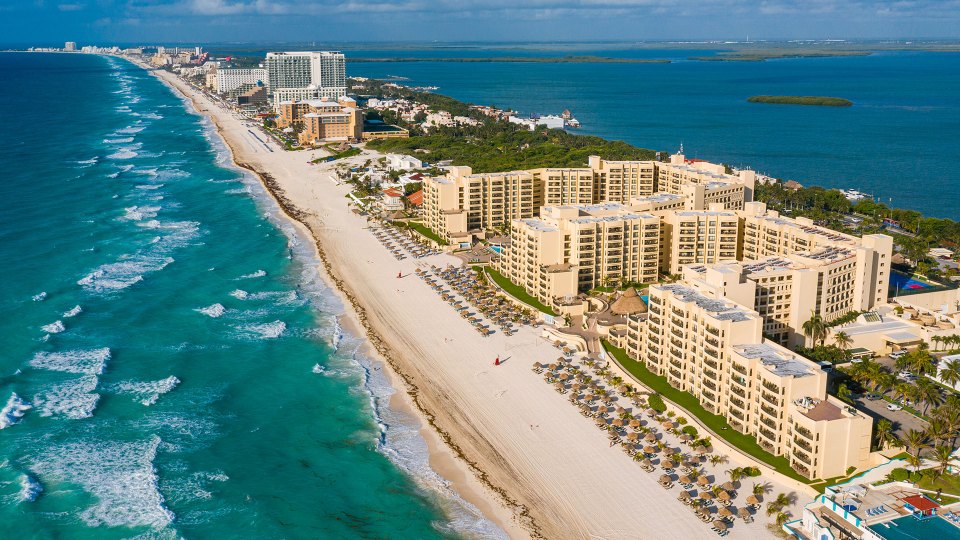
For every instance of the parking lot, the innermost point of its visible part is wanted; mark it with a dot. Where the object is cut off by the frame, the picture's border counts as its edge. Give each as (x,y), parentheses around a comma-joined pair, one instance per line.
(902,420)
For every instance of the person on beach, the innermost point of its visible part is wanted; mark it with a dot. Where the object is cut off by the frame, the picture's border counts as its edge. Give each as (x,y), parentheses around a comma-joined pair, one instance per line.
(497,361)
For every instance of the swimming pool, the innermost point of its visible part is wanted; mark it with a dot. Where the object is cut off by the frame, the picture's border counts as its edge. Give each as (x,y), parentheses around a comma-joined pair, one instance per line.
(497,249)
(903,282)
(911,528)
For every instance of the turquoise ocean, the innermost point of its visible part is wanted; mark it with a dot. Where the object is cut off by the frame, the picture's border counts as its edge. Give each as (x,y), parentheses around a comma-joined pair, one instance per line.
(172,365)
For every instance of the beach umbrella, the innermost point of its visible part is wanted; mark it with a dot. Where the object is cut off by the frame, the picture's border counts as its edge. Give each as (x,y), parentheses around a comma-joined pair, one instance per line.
(703,481)
(724,495)
(719,525)
(667,425)
(564,376)
(725,513)
(684,495)
(684,480)
(650,449)
(752,500)
(553,367)
(537,365)
(617,422)
(646,463)
(744,513)
(632,436)
(706,495)
(728,486)
(621,410)
(602,409)
(667,464)
(634,423)
(665,479)
(685,437)
(702,450)
(650,437)
(558,385)
(651,412)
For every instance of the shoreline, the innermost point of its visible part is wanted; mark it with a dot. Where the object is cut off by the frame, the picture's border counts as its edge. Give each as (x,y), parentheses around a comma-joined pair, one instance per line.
(504,424)
(445,458)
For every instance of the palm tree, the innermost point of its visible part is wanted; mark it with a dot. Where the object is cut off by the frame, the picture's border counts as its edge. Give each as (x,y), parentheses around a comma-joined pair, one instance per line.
(943,455)
(736,474)
(937,430)
(921,362)
(815,328)
(778,504)
(843,341)
(718,459)
(883,432)
(916,441)
(760,489)
(782,518)
(929,393)
(938,340)
(844,393)
(950,374)
(914,462)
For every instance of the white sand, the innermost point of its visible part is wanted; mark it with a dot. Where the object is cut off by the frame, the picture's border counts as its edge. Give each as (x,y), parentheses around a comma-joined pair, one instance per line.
(527,444)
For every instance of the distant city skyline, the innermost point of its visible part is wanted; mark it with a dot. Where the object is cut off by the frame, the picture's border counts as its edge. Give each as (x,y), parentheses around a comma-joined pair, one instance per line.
(208,21)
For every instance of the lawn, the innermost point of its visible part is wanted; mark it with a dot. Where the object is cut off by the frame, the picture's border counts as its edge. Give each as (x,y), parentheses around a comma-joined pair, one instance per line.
(427,232)
(949,483)
(516,291)
(716,423)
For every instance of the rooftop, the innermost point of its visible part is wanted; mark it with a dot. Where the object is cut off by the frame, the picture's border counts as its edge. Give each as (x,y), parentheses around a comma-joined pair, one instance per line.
(723,310)
(774,359)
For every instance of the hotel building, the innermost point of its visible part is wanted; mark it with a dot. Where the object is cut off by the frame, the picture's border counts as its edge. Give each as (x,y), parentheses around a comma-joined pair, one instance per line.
(229,80)
(322,120)
(679,175)
(570,249)
(306,75)
(698,236)
(714,349)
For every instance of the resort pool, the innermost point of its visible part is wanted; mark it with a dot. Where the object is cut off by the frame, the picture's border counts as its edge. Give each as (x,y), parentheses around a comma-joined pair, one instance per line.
(903,282)
(911,528)
(497,249)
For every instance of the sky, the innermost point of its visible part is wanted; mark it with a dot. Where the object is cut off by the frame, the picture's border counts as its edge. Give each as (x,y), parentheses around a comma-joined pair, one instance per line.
(104,22)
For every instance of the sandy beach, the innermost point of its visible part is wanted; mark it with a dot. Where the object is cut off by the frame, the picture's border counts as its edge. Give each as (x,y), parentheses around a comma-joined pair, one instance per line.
(506,440)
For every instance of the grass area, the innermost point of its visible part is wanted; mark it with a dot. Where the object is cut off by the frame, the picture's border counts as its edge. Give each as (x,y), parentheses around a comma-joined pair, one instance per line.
(716,423)
(516,291)
(352,151)
(820,101)
(427,232)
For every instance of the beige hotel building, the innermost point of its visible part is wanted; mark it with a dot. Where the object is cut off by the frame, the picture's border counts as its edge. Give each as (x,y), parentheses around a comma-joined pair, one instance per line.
(714,349)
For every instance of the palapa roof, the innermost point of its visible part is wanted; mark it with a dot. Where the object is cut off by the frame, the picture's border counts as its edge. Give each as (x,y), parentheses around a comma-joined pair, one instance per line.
(629,302)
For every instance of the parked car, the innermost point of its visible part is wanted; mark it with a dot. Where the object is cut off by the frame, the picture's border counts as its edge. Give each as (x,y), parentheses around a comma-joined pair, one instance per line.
(894,407)
(872,396)
(897,354)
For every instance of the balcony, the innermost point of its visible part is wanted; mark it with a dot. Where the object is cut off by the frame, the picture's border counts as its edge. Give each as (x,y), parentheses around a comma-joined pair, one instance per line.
(739,369)
(738,391)
(771,387)
(803,432)
(775,401)
(803,444)
(710,363)
(769,410)
(768,422)
(803,458)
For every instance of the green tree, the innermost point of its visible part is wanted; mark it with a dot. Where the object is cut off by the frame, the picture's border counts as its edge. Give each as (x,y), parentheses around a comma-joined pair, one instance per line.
(815,328)
(916,441)
(943,455)
(950,374)
(929,393)
(843,340)
(883,432)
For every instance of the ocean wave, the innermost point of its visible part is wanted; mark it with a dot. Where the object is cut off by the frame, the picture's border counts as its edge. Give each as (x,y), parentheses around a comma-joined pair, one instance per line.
(74,399)
(30,488)
(148,186)
(240,294)
(146,392)
(280,297)
(337,335)
(131,130)
(149,115)
(86,361)
(121,140)
(258,273)
(123,153)
(120,475)
(40,297)
(238,191)
(213,311)
(318,369)
(54,327)
(73,312)
(13,411)
(87,162)
(271,330)
(137,213)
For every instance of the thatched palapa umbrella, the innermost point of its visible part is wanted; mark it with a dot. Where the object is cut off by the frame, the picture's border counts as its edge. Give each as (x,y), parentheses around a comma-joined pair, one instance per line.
(752,500)
(744,513)
(706,495)
(728,486)
(634,423)
(725,513)
(719,525)
(665,479)
(632,437)
(650,449)
(723,496)
(667,464)
(629,302)
(703,481)
(684,480)
(667,425)
(617,422)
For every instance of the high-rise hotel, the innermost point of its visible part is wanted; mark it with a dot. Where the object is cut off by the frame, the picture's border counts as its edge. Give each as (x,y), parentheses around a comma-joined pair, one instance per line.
(294,76)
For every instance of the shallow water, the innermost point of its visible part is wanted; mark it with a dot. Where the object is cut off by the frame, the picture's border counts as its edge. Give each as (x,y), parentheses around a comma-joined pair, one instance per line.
(162,328)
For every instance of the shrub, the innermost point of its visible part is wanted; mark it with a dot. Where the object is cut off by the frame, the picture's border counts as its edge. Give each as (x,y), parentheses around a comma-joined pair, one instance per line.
(850,470)
(751,471)
(690,430)
(899,475)
(670,414)
(681,420)
(656,403)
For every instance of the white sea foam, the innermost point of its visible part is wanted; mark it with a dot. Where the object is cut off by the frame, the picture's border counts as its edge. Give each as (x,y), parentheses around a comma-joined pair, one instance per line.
(149,186)
(137,213)
(238,191)
(120,476)
(121,140)
(74,399)
(317,368)
(54,327)
(87,162)
(86,361)
(130,130)
(146,392)
(13,411)
(123,153)
(337,335)
(240,294)
(149,115)
(214,310)
(258,273)
(73,312)
(129,270)
(30,488)
(40,297)
(271,330)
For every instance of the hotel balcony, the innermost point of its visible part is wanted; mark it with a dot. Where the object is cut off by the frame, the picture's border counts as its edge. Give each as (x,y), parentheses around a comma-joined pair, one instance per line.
(738,391)
(803,444)
(803,432)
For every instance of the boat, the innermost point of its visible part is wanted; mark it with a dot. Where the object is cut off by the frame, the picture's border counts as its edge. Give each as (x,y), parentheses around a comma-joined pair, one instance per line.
(853,195)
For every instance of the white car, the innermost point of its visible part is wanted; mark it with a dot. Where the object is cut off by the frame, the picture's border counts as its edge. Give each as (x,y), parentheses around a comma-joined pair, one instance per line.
(897,354)
(894,407)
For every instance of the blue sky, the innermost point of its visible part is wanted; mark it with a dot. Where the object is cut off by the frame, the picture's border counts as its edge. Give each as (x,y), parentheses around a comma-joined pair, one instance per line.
(206,21)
